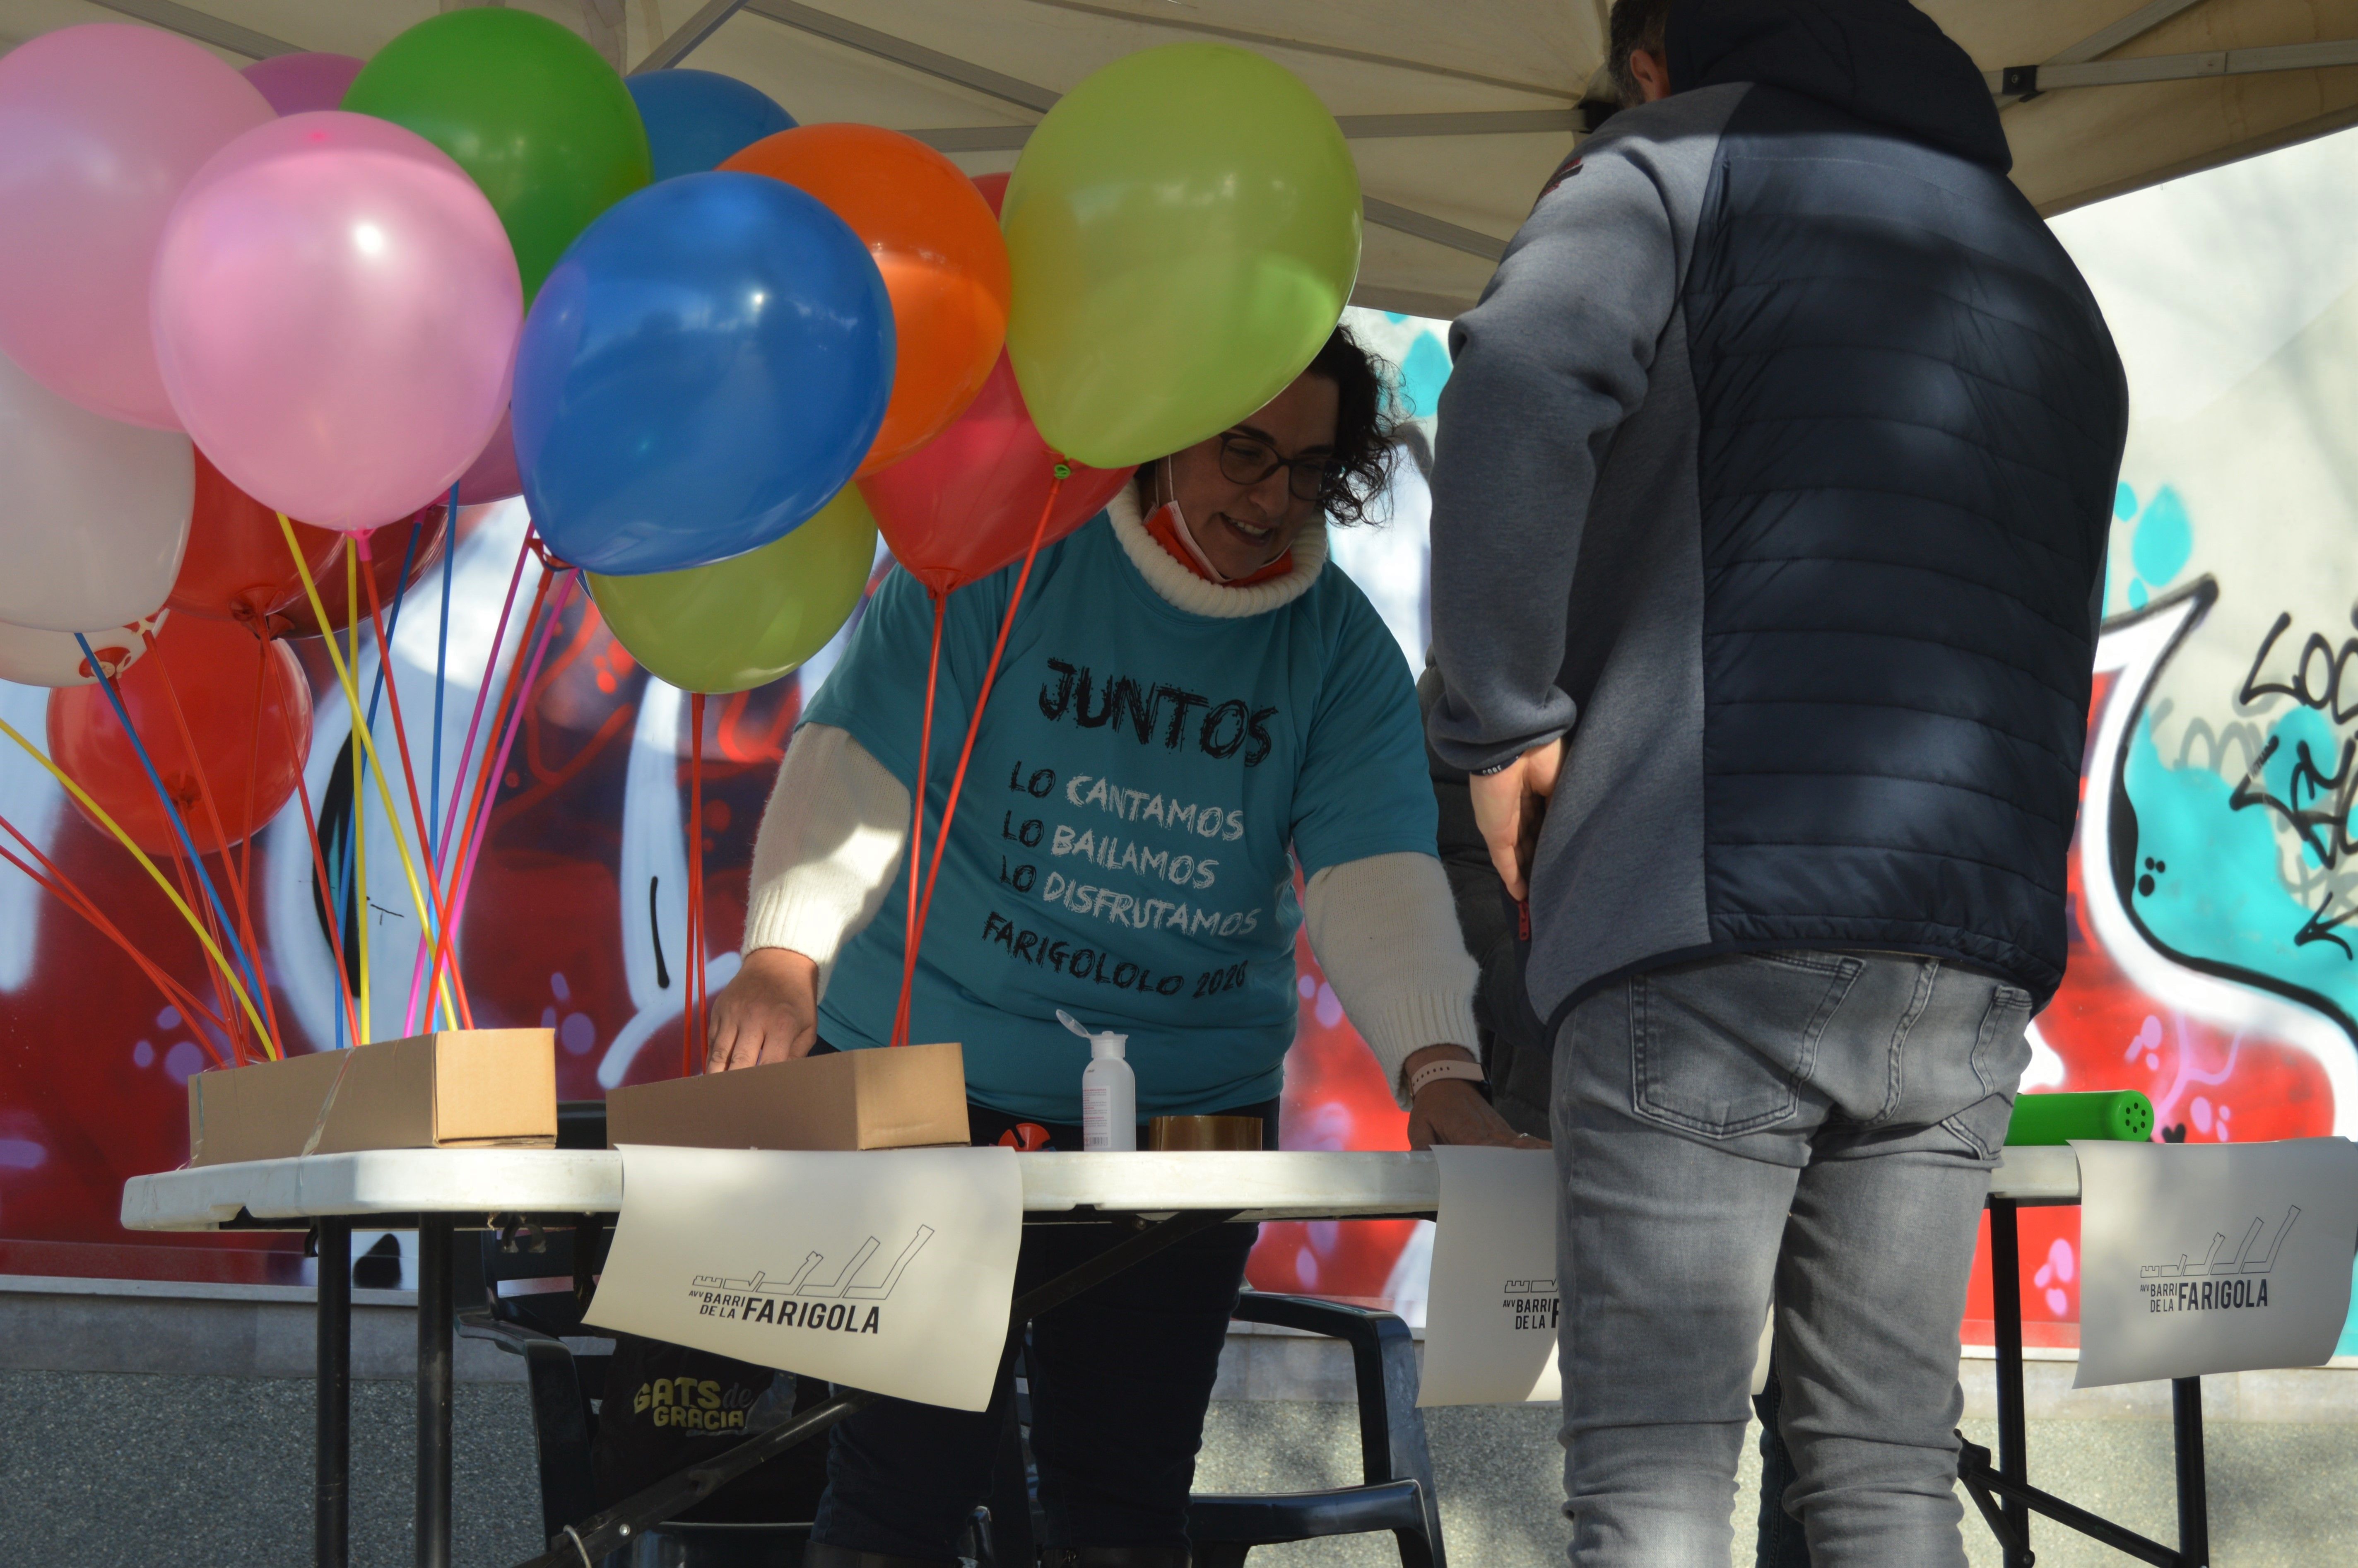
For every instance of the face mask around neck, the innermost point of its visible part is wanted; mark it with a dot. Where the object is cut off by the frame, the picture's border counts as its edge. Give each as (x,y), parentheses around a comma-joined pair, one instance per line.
(1187,538)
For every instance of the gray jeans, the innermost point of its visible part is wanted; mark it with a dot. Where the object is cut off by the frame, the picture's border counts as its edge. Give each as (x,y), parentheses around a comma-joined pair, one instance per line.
(1818,1125)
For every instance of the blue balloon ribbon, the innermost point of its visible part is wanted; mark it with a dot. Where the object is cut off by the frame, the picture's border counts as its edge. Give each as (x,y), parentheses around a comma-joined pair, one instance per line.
(172,812)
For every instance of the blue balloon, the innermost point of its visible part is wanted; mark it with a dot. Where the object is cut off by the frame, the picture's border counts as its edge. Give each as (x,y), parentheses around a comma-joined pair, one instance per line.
(704,369)
(696,119)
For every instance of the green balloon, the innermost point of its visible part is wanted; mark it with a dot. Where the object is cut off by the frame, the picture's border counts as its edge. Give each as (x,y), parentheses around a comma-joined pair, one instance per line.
(743,623)
(1183,229)
(533,113)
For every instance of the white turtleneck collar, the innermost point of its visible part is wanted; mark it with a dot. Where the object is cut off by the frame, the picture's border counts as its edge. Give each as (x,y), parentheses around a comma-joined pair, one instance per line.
(1182,586)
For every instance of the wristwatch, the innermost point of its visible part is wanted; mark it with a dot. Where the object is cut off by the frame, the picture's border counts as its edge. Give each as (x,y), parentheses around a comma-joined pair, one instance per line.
(1448,1067)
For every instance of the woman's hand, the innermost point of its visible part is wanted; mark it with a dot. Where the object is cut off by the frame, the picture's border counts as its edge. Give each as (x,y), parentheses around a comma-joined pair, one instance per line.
(1452,1110)
(768,1014)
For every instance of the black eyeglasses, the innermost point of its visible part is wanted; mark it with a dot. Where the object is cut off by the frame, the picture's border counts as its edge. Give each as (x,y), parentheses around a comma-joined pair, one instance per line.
(1246,460)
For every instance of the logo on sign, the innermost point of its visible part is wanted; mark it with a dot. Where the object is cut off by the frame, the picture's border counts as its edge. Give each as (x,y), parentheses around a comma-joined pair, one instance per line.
(2227,1280)
(1532,1303)
(812,1298)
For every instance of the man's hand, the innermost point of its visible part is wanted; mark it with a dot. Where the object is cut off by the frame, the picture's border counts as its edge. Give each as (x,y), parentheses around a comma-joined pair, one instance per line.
(768,1014)
(1452,1110)
(1508,806)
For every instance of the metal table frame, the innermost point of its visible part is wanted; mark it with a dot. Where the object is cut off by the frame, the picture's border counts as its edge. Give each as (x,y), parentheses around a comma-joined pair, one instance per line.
(439,1191)
(2008,1478)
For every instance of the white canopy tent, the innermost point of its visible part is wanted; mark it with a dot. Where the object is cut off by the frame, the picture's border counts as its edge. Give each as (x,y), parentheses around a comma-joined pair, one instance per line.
(1455,109)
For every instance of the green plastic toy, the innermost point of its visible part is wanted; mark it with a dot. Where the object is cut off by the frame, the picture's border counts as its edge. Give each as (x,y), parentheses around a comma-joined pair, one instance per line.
(2120,1115)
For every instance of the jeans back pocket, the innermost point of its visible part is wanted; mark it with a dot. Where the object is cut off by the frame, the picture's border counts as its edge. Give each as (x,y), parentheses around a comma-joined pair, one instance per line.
(1721,1048)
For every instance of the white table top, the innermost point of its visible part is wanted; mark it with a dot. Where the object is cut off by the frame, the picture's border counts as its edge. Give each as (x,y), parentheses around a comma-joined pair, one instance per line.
(476,1183)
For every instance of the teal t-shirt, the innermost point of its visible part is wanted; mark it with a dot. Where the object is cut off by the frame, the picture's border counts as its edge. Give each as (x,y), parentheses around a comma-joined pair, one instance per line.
(1121,849)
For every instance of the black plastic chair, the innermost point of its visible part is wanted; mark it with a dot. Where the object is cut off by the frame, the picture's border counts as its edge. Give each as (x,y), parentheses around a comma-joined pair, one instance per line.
(1396,1494)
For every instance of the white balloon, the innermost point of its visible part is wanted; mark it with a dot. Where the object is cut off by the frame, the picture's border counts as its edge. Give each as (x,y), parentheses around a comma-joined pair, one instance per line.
(30,656)
(93,513)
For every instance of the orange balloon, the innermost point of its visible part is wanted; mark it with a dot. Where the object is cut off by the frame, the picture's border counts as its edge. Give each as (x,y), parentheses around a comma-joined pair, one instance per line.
(937,244)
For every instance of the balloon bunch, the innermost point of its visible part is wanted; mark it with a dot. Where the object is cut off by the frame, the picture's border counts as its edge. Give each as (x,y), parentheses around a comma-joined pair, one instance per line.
(230,300)
(717,352)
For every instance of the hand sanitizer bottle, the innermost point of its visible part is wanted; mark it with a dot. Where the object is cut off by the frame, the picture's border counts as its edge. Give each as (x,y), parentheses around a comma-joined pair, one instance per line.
(1109,1090)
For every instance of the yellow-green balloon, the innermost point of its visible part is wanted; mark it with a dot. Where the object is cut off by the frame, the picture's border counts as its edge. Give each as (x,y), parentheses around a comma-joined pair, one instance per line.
(1185,230)
(743,623)
(534,114)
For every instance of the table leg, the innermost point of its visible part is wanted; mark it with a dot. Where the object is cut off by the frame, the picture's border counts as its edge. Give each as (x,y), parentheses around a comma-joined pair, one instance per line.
(2193,1488)
(434,1326)
(332,1441)
(2006,1298)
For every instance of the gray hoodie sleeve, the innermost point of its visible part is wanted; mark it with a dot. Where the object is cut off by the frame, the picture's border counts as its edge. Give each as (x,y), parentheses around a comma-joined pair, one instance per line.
(1547,366)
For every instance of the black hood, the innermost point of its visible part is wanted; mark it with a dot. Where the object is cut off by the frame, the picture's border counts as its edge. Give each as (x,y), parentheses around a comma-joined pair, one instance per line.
(1882,61)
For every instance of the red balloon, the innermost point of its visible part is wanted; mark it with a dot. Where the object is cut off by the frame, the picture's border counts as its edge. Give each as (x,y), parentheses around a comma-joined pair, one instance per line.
(994,189)
(493,476)
(253,753)
(965,503)
(237,566)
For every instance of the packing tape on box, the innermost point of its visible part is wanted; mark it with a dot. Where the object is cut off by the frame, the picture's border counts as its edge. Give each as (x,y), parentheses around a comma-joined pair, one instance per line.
(320,1128)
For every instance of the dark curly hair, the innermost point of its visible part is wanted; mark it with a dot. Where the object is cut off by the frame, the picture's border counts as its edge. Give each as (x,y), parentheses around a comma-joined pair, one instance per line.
(1366,408)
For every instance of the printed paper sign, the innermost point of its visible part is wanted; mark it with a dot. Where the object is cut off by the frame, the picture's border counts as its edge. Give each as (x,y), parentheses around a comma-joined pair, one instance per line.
(889,1271)
(2214,1257)
(1490,1316)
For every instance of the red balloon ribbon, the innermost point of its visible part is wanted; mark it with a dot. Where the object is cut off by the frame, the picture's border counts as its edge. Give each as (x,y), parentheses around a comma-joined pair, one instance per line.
(921,907)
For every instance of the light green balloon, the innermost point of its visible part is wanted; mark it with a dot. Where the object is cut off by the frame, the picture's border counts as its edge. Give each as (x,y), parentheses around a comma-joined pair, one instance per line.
(1183,229)
(743,623)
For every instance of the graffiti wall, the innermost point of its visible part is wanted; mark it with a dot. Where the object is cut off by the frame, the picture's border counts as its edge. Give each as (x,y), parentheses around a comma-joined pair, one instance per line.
(2214,905)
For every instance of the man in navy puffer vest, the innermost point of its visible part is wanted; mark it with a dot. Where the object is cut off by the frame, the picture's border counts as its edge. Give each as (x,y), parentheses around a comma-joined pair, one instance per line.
(1774,478)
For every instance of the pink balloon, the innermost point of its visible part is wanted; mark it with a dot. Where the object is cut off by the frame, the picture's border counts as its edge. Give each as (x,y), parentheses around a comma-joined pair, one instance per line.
(336,312)
(493,476)
(299,83)
(102,125)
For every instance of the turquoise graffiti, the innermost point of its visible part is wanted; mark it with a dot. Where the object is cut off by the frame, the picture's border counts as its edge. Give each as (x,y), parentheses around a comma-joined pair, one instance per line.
(2210,877)
(2160,543)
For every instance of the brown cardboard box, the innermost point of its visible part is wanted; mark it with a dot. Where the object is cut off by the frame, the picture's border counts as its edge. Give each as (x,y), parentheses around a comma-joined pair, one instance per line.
(902,1098)
(462,1089)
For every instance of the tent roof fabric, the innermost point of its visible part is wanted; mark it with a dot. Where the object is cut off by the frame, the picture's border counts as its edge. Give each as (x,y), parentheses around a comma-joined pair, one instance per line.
(1456,111)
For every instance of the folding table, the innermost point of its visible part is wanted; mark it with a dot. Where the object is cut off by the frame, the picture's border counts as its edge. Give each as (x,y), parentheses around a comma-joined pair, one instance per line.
(441,1191)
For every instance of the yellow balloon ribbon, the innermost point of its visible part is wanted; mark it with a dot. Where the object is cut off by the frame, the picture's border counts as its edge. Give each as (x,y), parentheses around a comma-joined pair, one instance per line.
(99,813)
(361,729)
(360,796)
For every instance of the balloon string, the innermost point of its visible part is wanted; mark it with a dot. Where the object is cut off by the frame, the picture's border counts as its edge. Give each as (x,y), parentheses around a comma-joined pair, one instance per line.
(98,814)
(253,781)
(480,828)
(694,1029)
(179,828)
(917,828)
(356,819)
(242,1049)
(391,685)
(442,669)
(57,883)
(446,861)
(982,699)
(213,814)
(319,872)
(462,826)
(368,744)
(361,760)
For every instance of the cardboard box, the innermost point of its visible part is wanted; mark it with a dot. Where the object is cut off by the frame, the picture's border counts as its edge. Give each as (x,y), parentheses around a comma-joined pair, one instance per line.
(891,1099)
(469,1088)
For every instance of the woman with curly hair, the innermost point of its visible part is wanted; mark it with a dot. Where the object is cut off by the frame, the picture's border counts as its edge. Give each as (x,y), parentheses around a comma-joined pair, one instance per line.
(1191,705)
